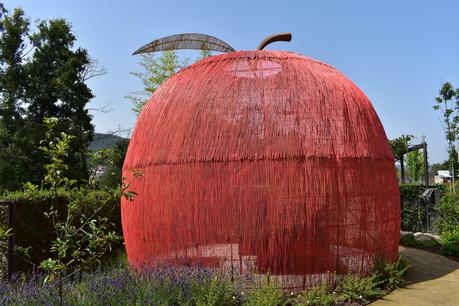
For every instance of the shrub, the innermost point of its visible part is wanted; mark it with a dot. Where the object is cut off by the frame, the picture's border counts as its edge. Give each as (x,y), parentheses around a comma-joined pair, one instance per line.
(450,242)
(214,292)
(269,293)
(448,212)
(319,295)
(412,210)
(408,240)
(353,288)
(390,276)
(35,231)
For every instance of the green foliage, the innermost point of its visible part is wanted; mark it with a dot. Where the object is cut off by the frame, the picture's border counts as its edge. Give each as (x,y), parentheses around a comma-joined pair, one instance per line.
(413,210)
(113,176)
(415,165)
(204,53)
(154,72)
(447,102)
(42,75)
(82,235)
(33,228)
(399,146)
(410,241)
(448,212)
(354,288)
(450,242)
(390,276)
(215,291)
(319,295)
(269,293)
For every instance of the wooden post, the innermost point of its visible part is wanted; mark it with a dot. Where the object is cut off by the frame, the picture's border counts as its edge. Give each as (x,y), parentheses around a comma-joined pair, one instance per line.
(426,164)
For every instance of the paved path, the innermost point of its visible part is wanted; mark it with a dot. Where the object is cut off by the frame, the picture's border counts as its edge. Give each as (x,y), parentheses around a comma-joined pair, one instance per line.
(432,280)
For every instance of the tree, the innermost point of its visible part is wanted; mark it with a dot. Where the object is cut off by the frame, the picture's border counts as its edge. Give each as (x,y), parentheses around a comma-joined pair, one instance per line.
(399,148)
(448,102)
(155,72)
(46,80)
(83,235)
(415,165)
(113,176)
(13,31)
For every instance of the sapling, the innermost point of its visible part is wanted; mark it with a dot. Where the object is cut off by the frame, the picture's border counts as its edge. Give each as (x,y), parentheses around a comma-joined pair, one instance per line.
(82,234)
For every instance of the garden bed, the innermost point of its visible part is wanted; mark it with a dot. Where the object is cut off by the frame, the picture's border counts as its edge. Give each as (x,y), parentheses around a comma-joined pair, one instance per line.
(194,286)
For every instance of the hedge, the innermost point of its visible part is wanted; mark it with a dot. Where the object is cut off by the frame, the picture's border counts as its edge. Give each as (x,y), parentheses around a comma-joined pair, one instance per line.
(34,230)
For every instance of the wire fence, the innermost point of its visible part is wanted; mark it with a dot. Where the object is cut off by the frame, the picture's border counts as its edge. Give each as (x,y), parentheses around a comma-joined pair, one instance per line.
(419,208)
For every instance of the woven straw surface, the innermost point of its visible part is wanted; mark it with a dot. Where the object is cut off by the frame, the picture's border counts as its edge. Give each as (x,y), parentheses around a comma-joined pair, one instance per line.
(262,161)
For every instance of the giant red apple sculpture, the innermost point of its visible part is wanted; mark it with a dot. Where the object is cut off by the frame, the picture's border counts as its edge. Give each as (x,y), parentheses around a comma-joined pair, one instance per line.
(260,160)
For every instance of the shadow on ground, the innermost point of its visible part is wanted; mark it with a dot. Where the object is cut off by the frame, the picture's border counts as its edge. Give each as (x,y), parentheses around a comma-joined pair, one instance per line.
(426,265)
(432,280)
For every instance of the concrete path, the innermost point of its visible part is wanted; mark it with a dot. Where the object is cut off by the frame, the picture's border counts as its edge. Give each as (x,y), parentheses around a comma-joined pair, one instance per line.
(432,280)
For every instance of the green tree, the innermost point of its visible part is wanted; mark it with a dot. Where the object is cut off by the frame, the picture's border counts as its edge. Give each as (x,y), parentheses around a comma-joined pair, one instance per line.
(399,148)
(83,234)
(14,28)
(415,165)
(155,71)
(56,88)
(447,102)
(113,176)
(42,74)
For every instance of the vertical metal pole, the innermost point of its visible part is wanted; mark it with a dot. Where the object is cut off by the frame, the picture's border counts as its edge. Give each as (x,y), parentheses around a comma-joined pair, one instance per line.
(11,239)
(426,164)
(426,178)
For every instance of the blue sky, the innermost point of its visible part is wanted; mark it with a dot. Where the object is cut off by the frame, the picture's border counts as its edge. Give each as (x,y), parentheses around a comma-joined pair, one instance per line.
(398,52)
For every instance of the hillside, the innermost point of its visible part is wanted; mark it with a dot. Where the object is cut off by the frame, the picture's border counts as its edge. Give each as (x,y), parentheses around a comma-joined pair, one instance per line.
(104,141)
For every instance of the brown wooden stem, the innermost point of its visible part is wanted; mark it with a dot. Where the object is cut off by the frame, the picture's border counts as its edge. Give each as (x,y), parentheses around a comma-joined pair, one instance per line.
(274,37)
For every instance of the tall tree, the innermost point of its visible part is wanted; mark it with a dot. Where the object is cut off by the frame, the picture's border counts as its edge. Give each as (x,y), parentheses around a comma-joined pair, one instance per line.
(56,88)
(447,102)
(42,75)
(399,148)
(14,28)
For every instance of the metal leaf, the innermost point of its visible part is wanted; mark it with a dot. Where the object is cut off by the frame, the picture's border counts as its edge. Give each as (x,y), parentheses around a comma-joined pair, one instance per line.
(186,41)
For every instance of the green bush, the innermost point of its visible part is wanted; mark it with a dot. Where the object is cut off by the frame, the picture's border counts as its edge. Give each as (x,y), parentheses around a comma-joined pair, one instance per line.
(269,293)
(390,276)
(354,288)
(448,212)
(320,295)
(33,229)
(450,242)
(215,292)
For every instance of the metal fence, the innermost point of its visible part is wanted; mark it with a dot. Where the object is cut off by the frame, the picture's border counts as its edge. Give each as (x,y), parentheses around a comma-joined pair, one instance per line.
(419,209)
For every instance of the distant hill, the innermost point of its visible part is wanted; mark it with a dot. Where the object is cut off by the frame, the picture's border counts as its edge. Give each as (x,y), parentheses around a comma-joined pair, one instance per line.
(104,141)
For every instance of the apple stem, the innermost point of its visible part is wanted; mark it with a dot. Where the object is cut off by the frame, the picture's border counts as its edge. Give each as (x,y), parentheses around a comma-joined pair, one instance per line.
(274,37)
